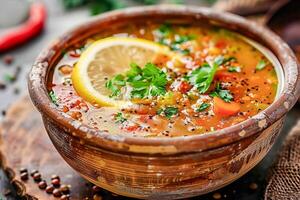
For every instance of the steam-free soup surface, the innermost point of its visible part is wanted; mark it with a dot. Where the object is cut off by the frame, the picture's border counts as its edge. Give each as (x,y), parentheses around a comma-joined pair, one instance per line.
(221,81)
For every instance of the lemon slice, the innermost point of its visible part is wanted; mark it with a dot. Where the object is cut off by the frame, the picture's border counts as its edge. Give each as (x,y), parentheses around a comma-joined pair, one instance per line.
(110,56)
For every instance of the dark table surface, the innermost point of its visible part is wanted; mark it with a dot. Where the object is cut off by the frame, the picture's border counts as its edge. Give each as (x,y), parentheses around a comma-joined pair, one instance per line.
(58,22)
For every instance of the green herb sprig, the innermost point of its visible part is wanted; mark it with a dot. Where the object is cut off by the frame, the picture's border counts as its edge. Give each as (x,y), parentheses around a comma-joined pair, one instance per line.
(202,77)
(53,97)
(146,82)
(202,107)
(222,93)
(119,118)
(261,65)
(169,111)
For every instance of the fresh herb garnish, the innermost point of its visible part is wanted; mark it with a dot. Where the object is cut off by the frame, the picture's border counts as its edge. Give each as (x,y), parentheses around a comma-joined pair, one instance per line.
(119,118)
(202,77)
(261,65)
(146,82)
(168,111)
(164,30)
(234,69)
(229,59)
(222,93)
(115,85)
(180,39)
(203,107)
(53,97)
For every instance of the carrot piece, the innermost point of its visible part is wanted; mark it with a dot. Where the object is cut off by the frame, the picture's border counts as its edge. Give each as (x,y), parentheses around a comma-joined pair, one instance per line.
(225,109)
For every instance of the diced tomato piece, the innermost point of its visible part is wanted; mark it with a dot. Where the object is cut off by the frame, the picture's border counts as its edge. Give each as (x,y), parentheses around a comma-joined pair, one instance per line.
(224,75)
(221,44)
(225,109)
(184,87)
(144,118)
(131,128)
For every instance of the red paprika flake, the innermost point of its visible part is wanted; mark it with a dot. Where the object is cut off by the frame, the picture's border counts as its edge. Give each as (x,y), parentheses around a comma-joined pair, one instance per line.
(22,33)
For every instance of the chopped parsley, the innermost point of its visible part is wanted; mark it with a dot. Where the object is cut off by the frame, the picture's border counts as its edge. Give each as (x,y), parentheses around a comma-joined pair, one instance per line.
(115,85)
(146,82)
(261,65)
(164,30)
(202,77)
(222,93)
(203,107)
(120,118)
(234,69)
(168,111)
(53,97)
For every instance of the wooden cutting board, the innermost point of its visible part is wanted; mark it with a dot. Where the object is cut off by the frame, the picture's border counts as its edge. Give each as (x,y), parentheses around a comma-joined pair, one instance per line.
(25,144)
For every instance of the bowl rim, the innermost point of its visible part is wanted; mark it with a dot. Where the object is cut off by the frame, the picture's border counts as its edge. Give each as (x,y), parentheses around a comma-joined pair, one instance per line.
(182,144)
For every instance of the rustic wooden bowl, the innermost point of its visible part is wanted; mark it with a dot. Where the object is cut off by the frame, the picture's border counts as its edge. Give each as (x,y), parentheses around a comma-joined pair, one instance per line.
(165,168)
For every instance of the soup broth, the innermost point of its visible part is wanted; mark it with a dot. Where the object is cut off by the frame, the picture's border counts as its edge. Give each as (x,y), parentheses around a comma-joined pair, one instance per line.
(221,80)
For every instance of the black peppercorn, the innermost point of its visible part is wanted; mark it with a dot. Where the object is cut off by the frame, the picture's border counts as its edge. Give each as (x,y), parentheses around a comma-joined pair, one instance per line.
(42,184)
(56,192)
(55,182)
(24,176)
(37,177)
(49,189)
(33,172)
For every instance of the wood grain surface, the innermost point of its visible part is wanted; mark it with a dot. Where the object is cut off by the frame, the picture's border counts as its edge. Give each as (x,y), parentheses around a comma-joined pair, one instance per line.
(24,144)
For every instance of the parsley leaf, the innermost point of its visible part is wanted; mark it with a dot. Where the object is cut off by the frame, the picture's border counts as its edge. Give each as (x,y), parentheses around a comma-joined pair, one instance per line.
(203,107)
(223,94)
(115,85)
(53,98)
(261,65)
(146,82)
(119,118)
(234,69)
(202,77)
(164,30)
(168,111)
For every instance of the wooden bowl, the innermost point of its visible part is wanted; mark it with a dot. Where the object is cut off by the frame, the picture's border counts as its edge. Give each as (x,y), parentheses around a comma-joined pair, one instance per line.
(165,168)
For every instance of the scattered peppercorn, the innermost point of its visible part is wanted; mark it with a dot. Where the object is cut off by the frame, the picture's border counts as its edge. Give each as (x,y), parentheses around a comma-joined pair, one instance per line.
(24,176)
(22,170)
(54,176)
(217,195)
(55,182)
(65,189)
(37,177)
(253,186)
(65,197)
(56,193)
(96,189)
(42,184)
(8,59)
(49,189)
(33,172)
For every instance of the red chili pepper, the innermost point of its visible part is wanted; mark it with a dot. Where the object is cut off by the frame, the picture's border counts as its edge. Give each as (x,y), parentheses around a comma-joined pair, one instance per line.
(22,33)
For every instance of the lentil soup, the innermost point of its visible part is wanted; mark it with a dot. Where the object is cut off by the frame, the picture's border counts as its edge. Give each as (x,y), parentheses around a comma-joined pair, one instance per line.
(209,79)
